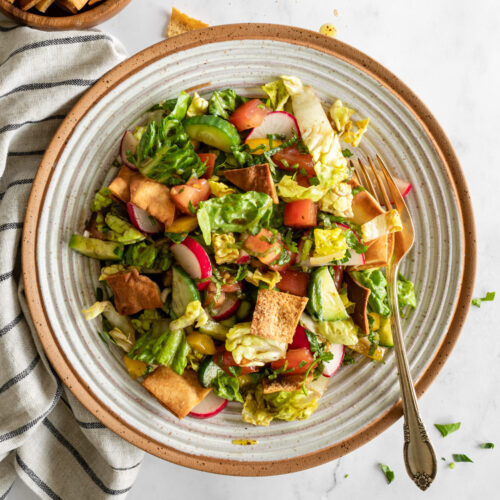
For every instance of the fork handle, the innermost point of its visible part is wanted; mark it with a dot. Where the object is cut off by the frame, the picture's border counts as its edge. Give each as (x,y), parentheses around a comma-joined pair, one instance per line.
(419,456)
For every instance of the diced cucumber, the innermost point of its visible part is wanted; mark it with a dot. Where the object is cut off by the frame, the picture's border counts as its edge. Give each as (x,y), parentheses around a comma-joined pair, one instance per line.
(95,248)
(212,130)
(184,291)
(214,329)
(385,333)
(229,322)
(324,303)
(243,311)
(208,371)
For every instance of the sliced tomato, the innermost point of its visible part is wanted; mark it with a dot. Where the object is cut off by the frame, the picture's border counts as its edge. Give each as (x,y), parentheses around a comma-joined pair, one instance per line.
(263,247)
(294,282)
(300,214)
(302,180)
(291,159)
(249,115)
(293,259)
(225,359)
(195,191)
(298,360)
(210,159)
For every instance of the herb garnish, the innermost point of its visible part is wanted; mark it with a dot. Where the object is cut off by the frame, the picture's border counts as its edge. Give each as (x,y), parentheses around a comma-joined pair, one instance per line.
(489,297)
(451,465)
(389,474)
(459,457)
(320,356)
(486,445)
(446,429)
(346,153)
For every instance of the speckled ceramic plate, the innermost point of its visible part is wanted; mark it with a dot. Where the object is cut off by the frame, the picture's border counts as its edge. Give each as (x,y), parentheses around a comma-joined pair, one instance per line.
(362,399)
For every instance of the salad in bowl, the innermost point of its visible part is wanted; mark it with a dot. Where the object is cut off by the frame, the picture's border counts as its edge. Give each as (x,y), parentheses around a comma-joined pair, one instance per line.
(240,258)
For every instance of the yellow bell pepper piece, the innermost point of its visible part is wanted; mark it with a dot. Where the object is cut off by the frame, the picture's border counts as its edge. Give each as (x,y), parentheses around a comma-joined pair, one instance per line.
(184,224)
(201,343)
(135,367)
(376,321)
(259,146)
(363,347)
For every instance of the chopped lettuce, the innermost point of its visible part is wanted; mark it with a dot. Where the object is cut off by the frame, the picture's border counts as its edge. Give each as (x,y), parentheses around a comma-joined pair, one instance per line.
(338,201)
(225,248)
(223,103)
(194,313)
(219,189)
(290,190)
(198,106)
(111,270)
(181,106)
(375,280)
(144,322)
(122,324)
(354,137)
(122,231)
(226,387)
(270,278)
(341,115)
(277,93)
(261,409)
(388,222)
(255,351)
(147,256)
(102,199)
(330,242)
(406,293)
(246,212)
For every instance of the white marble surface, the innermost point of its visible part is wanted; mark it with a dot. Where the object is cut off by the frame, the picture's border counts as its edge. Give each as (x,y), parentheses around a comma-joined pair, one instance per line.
(447,52)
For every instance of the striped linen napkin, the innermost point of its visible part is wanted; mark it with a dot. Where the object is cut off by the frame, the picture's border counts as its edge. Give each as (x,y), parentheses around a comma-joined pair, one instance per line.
(47,438)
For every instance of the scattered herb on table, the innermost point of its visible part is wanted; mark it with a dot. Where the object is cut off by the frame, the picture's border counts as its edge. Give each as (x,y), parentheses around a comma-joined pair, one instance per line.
(486,445)
(489,297)
(451,465)
(389,474)
(459,457)
(446,429)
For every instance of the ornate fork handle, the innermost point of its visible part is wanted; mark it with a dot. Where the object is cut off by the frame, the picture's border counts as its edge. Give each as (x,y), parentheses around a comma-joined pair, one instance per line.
(420,459)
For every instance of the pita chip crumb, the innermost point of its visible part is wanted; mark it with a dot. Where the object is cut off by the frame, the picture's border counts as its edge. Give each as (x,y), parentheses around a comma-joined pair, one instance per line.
(181,23)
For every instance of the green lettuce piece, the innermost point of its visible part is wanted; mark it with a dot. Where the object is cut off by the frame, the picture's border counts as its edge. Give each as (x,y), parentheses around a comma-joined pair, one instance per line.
(102,200)
(375,280)
(406,293)
(246,212)
(144,322)
(277,93)
(290,190)
(261,409)
(122,231)
(181,106)
(111,270)
(157,345)
(194,313)
(227,387)
(198,106)
(144,255)
(257,350)
(223,103)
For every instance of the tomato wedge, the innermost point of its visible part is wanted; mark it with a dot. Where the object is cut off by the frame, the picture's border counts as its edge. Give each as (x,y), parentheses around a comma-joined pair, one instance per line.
(300,214)
(299,361)
(210,159)
(263,247)
(288,158)
(293,259)
(294,282)
(225,359)
(195,191)
(249,115)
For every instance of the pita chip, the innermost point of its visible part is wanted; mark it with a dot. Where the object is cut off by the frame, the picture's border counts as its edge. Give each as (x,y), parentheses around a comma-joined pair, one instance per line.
(256,178)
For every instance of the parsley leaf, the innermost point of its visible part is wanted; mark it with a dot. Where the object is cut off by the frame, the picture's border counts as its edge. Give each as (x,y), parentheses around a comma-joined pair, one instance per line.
(486,445)
(357,189)
(489,297)
(389,474)
(235,371)
(446,429)
(346,153)
(451,465)
(459,457)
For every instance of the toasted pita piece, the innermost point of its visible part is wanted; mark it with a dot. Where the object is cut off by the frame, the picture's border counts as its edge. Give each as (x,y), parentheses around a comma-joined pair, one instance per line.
(43,5)
(72,6)
(378,254)
(120,186)
(276,315)
(134,292)
(359,295)
(152,197)
(256,178)
(365,208)
(287,383)
(181,23)
(27,4)
(178,393)
(92,2)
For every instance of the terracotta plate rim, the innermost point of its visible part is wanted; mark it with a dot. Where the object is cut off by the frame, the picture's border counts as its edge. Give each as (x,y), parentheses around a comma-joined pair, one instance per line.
(131,66)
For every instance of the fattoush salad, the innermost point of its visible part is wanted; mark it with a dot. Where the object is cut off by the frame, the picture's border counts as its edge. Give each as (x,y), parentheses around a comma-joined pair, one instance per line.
(240,258)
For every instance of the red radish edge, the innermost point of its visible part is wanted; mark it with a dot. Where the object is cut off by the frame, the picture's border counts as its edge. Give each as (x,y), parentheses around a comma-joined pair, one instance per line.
(227,309)
(299,339)
(193,258)
(260,132)
(357,259)
(331,367)
(243,258)
(128,143)
(142,220)
(208,407)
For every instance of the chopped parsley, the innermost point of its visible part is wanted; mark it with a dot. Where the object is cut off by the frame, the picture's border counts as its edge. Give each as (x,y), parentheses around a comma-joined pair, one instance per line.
(486,445)
(489,297)
(459,457)
(357,189)
(451,465)
(446,429)
(346,153)
(389,474)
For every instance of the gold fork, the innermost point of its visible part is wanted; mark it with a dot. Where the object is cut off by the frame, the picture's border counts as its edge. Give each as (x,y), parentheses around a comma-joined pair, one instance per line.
(420,459)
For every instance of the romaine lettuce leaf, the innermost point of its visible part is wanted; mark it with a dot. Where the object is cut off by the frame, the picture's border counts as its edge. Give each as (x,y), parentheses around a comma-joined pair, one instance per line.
(225,248)
(270,278)
(331,242)
(385,223)
(256,350)
(223,103)
(181,107)
(194,313)
(227,387)
(338,201)
(144,322)
(246,212)
(147,256)
(102,199)
(290,190)
(341,115)
(354,137)
(375,280)
(219,188)
(198,106)
(406,293)
(277,93)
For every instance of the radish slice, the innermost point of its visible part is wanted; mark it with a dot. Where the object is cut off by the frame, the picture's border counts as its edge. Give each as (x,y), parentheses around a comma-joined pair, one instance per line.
(331,367)
(209,406)
(277,122)
(357,259)
(299,339)
(194,260)
(243,258)
(227,309)
(143,221)
(128,144)
(403,186)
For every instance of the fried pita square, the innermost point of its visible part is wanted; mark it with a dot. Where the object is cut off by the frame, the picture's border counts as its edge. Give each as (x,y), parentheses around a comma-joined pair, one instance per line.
(255,178)
(178,393)
(27,4)
(120,186)
(43,5)
(276,315)
(181,23)
(287,383)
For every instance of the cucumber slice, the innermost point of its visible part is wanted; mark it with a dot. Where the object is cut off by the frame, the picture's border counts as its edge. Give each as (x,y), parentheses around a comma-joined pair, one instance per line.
(214,329)
(229,322)
(208,371)
(385,333)
(243,311)
(184,291)
(97,249)
(324,301)
(212,130)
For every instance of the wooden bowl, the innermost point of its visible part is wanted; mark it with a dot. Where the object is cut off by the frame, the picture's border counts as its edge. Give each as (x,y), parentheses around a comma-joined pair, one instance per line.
(85,19)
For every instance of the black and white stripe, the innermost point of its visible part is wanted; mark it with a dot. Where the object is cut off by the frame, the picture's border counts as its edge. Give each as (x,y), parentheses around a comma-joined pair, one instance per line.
(75,82)
(17,378)
(9,326)
(36,479)
(19,182)
(14,126)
